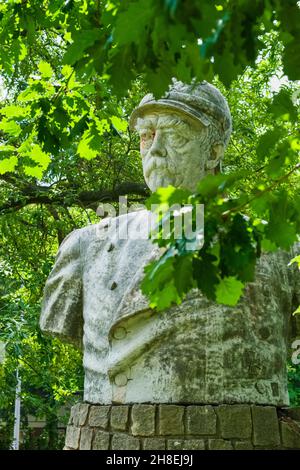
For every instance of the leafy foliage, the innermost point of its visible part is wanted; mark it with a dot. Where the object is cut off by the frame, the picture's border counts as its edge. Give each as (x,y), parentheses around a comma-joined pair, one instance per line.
(294,384)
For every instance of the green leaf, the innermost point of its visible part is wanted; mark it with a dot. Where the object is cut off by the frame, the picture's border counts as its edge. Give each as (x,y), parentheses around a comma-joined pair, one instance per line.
(291,59)
(80,126)
(120,124)
(282,106)
(229,291)
(283,233)
(81,41)
(45,69)
(267,142)
(10,127)
(84,150)
(159,79)
(90,144)
(211,185)
(6,148)
(165,298)
(23,51)
(237,250)
(268,246)
(280,229)
(183,274)
(206,274)
(61,117)
(14,111)
(132,24)
(262,203)
(121,60)
(8,164)
(35,171)
(211,29)
(295,260)
(297,311)
(37,155)
(102,126)
(158,282)
(66,71)
(226,67)
(47,136)
(168,196)
(29,94)
(88,89)
(158,273)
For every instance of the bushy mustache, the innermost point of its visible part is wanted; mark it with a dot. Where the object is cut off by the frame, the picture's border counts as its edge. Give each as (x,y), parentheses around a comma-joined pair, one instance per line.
(154,163)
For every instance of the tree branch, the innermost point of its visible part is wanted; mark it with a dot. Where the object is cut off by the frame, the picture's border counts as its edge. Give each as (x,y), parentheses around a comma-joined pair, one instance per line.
(44,195)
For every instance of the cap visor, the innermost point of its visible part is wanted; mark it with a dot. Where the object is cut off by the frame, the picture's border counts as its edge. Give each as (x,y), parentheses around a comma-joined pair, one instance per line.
(163,105)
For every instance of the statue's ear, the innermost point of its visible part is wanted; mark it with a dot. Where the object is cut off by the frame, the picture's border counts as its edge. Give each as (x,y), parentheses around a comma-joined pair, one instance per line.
(216,155)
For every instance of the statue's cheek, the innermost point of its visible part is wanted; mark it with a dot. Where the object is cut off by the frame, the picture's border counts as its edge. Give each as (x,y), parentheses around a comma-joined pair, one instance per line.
(143,151)
(178,156)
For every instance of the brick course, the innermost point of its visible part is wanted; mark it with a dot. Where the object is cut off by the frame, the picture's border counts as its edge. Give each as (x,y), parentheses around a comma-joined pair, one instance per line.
(181,427)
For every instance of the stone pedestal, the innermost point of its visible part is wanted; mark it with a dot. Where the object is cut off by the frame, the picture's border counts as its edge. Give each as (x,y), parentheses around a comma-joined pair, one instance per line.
(182,427)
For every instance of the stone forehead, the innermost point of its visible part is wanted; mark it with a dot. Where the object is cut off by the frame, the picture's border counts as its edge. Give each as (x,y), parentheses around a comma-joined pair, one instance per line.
(167,120)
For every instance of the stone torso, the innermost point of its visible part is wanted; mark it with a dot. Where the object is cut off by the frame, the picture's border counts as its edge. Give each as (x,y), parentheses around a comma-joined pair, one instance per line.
(197,352)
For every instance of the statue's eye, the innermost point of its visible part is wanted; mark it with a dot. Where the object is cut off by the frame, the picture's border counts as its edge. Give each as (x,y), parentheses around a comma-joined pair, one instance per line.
(147,137)
(179,139)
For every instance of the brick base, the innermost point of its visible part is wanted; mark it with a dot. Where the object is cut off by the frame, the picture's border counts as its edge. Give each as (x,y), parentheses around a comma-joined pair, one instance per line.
(182,427)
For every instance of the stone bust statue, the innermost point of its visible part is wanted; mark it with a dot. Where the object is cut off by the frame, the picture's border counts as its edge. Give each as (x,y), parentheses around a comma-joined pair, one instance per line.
(199,351)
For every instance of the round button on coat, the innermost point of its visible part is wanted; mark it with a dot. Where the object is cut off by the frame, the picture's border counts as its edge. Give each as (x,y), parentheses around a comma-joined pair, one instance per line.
(121,380)
(119,333)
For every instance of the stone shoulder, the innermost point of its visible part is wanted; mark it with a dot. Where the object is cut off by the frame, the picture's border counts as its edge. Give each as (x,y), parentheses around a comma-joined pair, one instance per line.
(81,235)
(84,236)
(91,230)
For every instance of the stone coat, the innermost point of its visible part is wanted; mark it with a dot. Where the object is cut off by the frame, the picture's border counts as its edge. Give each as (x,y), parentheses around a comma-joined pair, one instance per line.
(197,352)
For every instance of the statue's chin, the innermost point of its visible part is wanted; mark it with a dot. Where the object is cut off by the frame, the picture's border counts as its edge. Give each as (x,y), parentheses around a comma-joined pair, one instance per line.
(156,181)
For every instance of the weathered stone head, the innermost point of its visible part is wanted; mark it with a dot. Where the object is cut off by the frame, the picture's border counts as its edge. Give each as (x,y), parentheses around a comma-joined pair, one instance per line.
(183,135)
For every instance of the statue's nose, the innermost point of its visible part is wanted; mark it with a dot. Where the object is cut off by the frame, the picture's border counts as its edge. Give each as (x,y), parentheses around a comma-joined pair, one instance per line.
(158,147)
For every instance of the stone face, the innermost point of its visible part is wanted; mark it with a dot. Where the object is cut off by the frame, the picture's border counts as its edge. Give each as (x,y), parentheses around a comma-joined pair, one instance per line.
(186,166)
(265,426)
(143,420)
(99,416)
(170,419)
(235,421)
(201,420)
(219,444)
(124,442)
(86,437)
(119,418)
(101,440)
(72,437)
(185,444)
(290,433)
(153,443)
